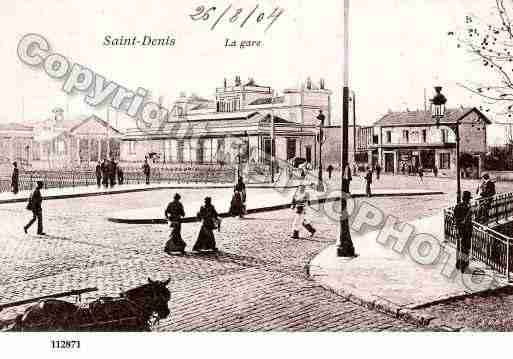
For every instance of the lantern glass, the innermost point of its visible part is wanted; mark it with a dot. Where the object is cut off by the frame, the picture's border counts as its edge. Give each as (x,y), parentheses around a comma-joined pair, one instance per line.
(437,110)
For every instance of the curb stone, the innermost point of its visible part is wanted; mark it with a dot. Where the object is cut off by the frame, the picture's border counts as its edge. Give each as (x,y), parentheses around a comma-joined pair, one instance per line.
(409,315)
(262,209)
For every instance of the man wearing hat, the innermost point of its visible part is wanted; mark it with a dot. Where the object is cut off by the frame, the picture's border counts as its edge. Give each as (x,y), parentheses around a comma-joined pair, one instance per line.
(486,190)
(463,219)
(34,205)
(174,214)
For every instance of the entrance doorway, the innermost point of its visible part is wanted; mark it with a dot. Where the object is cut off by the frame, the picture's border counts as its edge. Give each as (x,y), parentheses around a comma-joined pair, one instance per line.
(308,154)
(389,162)
(291,148)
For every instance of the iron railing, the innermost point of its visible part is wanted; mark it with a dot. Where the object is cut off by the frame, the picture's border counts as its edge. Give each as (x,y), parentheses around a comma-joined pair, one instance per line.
(487,245)
(131,175)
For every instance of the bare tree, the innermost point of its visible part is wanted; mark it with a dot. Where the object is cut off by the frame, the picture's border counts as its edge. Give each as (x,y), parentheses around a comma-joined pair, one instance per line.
(490,43)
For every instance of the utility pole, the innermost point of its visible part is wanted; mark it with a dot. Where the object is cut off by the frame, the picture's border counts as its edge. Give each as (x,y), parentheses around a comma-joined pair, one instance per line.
(272,138)
(354,126)
(345,248)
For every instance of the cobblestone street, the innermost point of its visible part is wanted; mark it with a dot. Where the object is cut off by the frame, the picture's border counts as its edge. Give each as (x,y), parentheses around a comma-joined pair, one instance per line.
(258,281)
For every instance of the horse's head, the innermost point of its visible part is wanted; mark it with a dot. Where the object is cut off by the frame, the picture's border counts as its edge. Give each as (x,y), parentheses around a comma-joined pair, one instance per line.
(152,297)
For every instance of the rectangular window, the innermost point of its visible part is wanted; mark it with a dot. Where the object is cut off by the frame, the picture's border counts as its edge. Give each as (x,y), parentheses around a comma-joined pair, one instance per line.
(444,135)
(389,136)
(406,136)
(424,136)
(131,147)
(445,161)
(179,150)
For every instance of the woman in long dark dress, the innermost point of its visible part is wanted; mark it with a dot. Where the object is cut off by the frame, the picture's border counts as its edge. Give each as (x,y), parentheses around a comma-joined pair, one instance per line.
(174,213)
(238,204)
(209,218)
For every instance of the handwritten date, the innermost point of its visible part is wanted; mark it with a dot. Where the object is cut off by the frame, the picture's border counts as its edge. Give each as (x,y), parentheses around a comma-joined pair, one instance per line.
(236,15)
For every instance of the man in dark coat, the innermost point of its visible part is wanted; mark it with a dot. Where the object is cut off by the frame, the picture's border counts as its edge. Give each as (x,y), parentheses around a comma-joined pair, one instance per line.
(487,190)
(174,213)
(15,178)
(330,170)
(368,179)
(463,219)
(34,205)
(98,172)
(378,171)
(105,173)
(112,172)
(120,174)
(146,171)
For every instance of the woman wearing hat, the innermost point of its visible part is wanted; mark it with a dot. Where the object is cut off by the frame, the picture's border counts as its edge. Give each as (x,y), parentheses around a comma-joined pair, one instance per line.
(238,204)
(174,213)
(210,221)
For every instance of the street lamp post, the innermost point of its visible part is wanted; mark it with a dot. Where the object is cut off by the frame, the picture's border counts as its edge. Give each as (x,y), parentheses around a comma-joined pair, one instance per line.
(321,118)
(438,112)
(345,248)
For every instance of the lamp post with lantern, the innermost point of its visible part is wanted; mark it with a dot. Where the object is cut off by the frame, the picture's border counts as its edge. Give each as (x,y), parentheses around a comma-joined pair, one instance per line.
(438,112)
(321,118)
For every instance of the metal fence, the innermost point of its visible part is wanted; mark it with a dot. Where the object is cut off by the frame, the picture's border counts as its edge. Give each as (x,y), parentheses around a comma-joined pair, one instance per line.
(131,175)
(487,245)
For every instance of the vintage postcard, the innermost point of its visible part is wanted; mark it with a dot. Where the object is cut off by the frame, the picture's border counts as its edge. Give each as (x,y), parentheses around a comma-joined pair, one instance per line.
(172,167)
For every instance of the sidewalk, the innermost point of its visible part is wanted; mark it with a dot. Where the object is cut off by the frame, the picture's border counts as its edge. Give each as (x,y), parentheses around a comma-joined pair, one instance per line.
(382,278)
(93,190)
(274,200)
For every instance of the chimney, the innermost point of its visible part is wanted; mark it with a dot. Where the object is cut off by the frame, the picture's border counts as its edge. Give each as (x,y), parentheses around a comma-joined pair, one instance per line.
(309,83)
(58,116)
(237,80)
(321,84)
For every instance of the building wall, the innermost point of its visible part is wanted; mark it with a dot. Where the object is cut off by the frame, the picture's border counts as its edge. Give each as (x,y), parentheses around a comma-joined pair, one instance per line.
(333,144)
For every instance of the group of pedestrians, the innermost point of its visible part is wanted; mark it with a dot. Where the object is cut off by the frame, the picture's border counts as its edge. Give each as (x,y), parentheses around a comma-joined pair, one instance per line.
(209,218)
(107,172)
(209,222)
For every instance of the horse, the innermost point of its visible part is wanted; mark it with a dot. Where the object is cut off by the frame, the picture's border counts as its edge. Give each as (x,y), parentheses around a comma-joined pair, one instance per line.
(136,309)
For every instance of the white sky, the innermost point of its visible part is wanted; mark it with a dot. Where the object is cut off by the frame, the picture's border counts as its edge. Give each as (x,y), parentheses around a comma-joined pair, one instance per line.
(398,49)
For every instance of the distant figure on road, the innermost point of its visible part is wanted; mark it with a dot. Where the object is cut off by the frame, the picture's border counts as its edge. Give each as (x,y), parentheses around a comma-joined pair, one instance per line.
(435,171)
(463,219)
(120,174)
(421,174)
(330,170)
(98,172)
(112,172)
(238,204)
(34,205)
(15,178)
(146,171)
(368,180)
(174,213)
(209,221)
(403,169)
(299,201)
(378,171)
(105,173)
